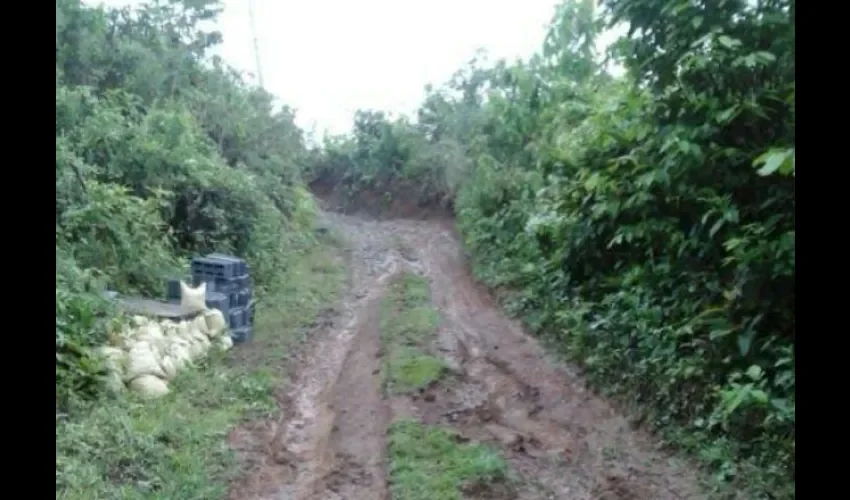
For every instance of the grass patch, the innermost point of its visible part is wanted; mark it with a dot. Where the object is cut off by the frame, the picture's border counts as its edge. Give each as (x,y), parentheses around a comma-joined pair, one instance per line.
(428,463)
(174,448)
(411,370)
(307,290)
(408,324)
(413,290)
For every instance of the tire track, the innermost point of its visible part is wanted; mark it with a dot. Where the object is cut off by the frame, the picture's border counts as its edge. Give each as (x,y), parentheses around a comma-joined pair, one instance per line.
(329,444)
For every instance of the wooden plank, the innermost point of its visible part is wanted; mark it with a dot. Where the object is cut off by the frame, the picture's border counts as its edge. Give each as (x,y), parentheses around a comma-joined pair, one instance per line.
(155,308)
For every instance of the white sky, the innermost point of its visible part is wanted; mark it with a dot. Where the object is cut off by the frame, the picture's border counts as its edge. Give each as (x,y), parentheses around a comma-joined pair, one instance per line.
(328,58)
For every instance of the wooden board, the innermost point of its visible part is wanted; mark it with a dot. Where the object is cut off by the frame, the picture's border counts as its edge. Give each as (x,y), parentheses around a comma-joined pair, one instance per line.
(155,308)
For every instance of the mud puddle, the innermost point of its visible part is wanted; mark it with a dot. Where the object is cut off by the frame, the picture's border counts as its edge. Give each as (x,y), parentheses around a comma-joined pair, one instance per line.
(563,441)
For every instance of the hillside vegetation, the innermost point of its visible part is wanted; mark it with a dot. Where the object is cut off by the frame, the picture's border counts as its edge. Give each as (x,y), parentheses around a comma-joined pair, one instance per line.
(643,224)
(163,152)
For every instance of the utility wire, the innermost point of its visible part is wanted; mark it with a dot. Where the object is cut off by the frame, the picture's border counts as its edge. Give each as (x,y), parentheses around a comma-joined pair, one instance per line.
(256,42)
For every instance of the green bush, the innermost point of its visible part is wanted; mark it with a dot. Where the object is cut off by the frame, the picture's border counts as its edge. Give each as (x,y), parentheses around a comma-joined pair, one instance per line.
(161,153)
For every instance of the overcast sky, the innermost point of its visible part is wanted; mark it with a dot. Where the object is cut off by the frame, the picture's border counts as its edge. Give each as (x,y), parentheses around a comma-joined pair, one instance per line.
(328,58)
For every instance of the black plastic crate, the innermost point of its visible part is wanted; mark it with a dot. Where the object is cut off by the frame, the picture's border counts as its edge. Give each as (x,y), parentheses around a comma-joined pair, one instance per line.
(242,335)
(238,298)
(250,309)
(215,268)
(238,318)
(225,285)
(243,298)
(172,289)
(233,284)
(220,301)
(211,282)
(241,267)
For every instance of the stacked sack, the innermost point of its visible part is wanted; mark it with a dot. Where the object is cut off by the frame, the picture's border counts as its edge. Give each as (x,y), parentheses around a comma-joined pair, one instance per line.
(148,354)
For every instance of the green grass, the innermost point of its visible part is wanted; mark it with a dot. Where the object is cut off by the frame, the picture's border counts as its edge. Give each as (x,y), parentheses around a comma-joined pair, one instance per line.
(411,370)
(414,290)
(408,324)
(428,463)
(174,448)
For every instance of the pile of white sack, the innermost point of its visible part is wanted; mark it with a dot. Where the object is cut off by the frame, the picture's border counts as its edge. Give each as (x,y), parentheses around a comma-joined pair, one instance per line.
(149,353)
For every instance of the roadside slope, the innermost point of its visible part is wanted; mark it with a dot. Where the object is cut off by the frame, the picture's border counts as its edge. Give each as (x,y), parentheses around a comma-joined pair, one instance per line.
(174,447)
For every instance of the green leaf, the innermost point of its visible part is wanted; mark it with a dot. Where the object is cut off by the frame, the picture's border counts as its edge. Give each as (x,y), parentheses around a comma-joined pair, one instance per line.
(716,227)
(774,160)
(765,56)
(726,115)
(745,343)
(718,334)
(760,396)
(754,372)
(728,42)
(593,181)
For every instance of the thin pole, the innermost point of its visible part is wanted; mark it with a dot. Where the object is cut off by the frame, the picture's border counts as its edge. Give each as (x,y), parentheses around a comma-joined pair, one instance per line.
(256,42)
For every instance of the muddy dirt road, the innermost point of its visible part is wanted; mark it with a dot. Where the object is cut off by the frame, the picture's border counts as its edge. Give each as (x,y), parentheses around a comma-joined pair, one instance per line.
(562,441)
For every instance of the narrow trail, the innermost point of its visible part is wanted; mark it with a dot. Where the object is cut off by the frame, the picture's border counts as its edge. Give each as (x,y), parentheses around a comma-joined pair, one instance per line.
(563,441)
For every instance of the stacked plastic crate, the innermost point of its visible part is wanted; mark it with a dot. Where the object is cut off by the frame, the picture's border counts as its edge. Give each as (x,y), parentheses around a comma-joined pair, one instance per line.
(230,287)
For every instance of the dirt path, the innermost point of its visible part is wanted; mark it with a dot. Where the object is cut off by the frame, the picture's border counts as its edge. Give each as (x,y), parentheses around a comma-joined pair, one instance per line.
(563,442)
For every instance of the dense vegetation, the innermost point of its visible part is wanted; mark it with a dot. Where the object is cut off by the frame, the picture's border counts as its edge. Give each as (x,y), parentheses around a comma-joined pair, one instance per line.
(645,223)
(161,153)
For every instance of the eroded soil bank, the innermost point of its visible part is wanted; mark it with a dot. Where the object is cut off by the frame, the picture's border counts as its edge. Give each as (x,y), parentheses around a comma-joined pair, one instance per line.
(561,441)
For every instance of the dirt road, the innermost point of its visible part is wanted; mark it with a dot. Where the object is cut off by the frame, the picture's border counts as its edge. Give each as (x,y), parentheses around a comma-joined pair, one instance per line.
(561,441)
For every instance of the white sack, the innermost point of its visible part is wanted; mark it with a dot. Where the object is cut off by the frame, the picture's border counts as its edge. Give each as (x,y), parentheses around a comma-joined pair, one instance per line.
(184,329)
(179,353)
(199,324)
(196,346)
(153,335)
(216,324)
(139,321)
(169,367)
(143,360)
(194,299)
(169,328)
(225,342)
(149,386)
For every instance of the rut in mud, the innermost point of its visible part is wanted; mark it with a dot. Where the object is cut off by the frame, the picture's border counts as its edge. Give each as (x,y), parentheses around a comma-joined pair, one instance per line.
(330,443)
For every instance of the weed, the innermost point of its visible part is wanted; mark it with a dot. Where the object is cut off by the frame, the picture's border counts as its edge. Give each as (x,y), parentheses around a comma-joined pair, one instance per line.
(428,463)
(408,323)
(411,370)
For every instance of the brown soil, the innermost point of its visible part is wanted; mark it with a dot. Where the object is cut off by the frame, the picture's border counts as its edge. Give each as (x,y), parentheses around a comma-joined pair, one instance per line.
(562,440)
(391,204)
